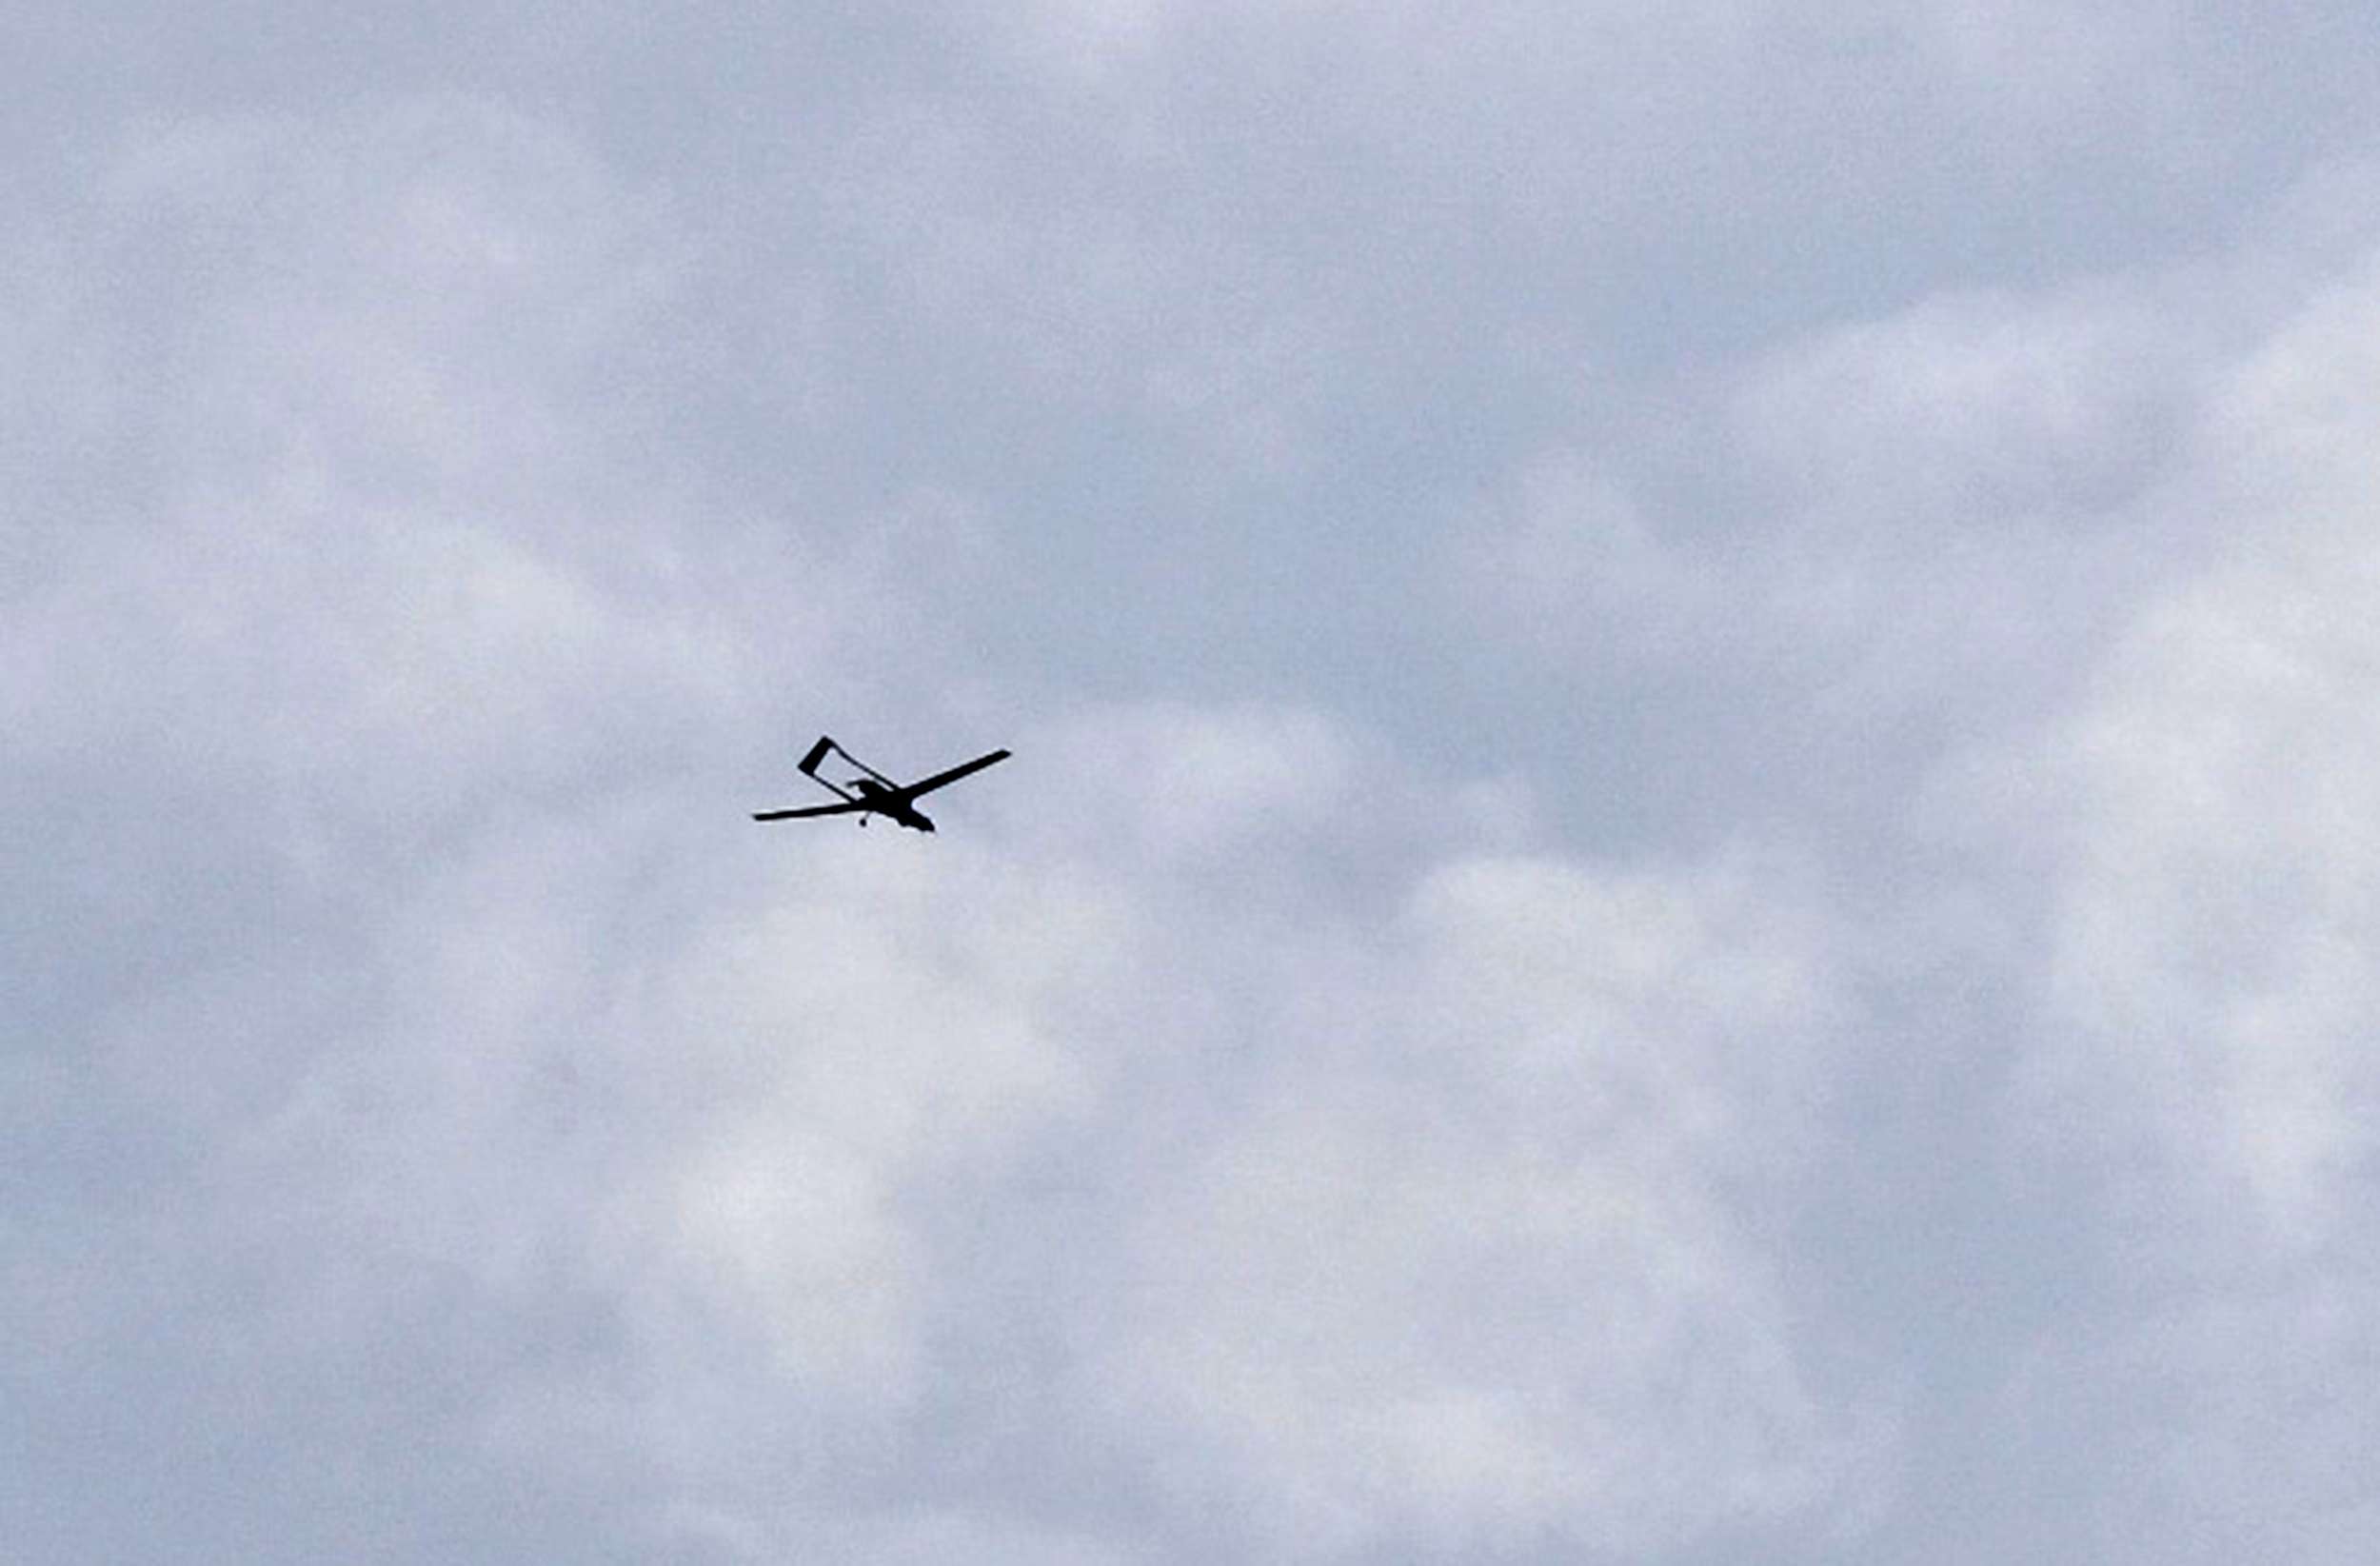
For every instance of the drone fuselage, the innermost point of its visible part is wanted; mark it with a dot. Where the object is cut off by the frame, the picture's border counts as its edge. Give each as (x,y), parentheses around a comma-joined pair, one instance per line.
(884,802)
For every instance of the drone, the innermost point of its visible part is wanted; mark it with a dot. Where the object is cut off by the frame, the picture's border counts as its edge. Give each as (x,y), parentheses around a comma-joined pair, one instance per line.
(871,793)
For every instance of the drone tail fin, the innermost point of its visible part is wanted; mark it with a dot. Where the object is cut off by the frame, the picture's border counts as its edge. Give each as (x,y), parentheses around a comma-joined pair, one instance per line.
(818,753)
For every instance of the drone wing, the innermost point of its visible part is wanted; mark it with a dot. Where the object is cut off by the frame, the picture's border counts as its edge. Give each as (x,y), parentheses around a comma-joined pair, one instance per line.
(843,809)
(927,785)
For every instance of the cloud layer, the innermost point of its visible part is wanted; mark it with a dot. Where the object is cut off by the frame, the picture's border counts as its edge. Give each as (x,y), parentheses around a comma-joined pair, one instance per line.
(1684,878)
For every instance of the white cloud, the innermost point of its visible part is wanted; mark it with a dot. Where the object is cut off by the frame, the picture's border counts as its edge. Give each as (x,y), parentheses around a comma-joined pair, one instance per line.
(370,548)
(2206,995)
(1973,406)
(1485,1261)
(2210,919)
(2112,542)
(1569,564)
(362,712)
(1179,783)
(848,1079)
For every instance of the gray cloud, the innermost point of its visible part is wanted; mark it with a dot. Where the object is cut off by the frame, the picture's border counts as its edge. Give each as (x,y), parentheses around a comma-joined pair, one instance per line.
(1682,878)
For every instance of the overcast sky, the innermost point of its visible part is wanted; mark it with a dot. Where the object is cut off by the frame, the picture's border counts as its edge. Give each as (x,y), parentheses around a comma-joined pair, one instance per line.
(1689,873)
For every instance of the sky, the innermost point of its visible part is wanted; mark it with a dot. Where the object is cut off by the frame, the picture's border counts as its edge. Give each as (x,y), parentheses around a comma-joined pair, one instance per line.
(1689,873)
